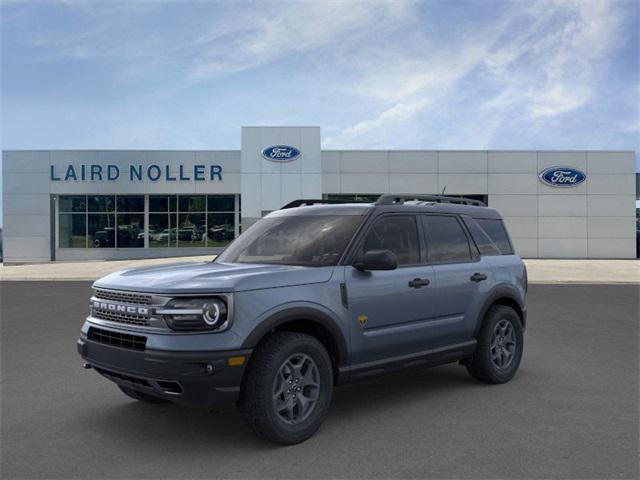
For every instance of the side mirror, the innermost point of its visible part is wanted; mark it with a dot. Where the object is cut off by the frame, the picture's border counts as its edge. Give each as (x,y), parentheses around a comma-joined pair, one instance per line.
(376,260)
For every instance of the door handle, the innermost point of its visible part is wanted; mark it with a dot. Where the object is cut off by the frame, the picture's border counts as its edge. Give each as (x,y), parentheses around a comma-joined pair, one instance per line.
(478,277)
(418,282)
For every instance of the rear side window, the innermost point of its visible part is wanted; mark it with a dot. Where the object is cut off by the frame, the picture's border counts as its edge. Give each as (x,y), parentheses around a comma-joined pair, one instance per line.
(494,228)
(483,242)
(397,233)
(446,240)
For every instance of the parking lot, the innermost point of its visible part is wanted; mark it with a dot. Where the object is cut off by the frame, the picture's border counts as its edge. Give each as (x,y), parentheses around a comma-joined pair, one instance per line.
(571,412)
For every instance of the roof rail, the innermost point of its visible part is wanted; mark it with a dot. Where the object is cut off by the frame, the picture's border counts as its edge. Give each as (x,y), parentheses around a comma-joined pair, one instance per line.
(394,199)
(310,201)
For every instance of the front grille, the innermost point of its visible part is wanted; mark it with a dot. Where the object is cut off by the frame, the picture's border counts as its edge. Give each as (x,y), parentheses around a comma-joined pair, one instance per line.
(117,339)
(119,376)
(129,319)
(125,297)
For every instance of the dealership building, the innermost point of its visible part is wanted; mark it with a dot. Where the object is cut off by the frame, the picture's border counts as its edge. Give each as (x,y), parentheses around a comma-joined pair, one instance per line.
(69,205)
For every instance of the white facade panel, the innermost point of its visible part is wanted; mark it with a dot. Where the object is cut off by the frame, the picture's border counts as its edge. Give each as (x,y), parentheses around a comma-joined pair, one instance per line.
(364,183)
(526,247)
(522,227)
(601,184)
(611,162)
(513,162)
(512,183)
(611,248)
(330,162)
(331,183)
(364,162)
(26,225)
(515,205)
(407,161)
(562,205)
(462,162)
(562,227)
(423,183)
(612,227)
(462,183)
(562,247)
(576,160)
(26,249)
(20,183)
(611,205)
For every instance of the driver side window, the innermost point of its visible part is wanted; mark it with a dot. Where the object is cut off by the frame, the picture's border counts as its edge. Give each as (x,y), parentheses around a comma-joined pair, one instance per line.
(397,233)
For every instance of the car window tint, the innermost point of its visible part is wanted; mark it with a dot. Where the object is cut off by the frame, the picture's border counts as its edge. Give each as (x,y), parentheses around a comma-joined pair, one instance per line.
(397,233)
(496,232)
(447,240)
(482,240)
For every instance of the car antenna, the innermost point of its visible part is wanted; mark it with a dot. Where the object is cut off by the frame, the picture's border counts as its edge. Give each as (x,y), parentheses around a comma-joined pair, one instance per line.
(443,190)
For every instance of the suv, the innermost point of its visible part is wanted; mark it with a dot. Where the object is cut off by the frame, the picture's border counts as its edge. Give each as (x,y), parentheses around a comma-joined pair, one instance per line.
(312,296)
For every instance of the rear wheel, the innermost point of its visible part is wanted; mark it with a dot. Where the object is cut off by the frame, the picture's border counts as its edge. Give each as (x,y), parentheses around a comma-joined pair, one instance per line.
(500,344)
(141,396)
(287,388)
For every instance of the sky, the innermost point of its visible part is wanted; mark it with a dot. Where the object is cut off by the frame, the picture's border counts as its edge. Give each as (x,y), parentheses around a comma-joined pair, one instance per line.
(373,74)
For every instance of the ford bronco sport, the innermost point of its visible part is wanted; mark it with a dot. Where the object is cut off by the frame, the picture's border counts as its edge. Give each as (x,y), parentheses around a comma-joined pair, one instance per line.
(314,295)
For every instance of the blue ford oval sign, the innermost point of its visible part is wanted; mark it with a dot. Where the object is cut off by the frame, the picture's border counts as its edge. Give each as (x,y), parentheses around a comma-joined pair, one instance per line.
(281,153)
(562,177)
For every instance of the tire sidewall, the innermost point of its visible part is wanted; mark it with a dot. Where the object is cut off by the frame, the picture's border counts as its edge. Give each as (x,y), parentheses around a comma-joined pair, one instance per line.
(499,375)
(306,428)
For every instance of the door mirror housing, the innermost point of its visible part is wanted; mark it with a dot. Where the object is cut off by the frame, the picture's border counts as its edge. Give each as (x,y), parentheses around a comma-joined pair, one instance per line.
(376,260)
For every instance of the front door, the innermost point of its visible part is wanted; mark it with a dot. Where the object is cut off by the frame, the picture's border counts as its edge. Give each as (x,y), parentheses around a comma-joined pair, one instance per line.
(390,310)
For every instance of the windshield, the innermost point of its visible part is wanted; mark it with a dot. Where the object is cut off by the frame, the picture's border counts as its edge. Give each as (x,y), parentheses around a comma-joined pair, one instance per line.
(313,241)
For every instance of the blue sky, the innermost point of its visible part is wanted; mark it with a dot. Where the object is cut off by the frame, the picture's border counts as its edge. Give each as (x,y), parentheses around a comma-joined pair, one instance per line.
(372,74)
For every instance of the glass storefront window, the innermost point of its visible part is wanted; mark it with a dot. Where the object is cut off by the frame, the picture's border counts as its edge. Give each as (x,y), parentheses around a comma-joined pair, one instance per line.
(220,229)
(158,203)
(192,203)
(130,230)
(220,203)
(101,203)
(159,231)
(73,230)
(118,221)
(73,203)
(191,229)
(101,229)
(134,204)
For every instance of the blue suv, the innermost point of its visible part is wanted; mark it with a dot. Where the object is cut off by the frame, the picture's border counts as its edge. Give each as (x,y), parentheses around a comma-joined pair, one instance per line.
(312,296)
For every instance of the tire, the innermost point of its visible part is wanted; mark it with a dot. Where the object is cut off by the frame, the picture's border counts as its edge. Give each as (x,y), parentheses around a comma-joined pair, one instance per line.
(285,368)
(141,396)
(499,362)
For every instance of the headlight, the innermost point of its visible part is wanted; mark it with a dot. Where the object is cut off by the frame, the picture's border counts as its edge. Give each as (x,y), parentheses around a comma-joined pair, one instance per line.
(195,314)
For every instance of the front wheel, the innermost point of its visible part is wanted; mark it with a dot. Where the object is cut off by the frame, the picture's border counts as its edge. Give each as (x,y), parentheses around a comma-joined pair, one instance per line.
(287,388)
(500,344)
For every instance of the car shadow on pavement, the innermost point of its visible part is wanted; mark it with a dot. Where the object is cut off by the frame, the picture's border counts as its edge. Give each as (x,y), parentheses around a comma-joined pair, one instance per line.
(194,430)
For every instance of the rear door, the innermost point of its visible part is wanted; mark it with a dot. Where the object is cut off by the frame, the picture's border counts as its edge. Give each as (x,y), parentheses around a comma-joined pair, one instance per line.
(390,310)
(462,277)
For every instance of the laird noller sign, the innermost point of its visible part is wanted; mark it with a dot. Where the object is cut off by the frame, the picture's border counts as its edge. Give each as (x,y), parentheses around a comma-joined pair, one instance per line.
(135,173)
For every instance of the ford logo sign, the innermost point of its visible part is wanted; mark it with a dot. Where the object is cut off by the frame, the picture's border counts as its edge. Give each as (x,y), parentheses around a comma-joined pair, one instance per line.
(281,153)
(562,177)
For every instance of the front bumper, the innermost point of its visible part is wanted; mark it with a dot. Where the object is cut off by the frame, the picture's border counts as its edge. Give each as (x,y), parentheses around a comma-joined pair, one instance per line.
(203,380)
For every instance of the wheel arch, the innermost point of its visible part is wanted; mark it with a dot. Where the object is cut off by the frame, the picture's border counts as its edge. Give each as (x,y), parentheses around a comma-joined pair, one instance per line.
(305,320)
(503,296)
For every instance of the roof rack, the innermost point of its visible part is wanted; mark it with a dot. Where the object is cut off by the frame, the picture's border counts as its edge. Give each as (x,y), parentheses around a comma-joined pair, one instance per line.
(311,201)
(393,199)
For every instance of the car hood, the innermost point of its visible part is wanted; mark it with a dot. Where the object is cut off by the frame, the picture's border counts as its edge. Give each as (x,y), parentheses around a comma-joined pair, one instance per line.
(207,277)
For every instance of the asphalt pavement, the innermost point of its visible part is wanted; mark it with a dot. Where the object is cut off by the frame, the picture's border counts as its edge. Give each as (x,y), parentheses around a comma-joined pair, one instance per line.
(571,411)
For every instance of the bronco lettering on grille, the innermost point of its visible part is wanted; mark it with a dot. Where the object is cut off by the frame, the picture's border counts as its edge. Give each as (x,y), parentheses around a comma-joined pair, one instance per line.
(115,307)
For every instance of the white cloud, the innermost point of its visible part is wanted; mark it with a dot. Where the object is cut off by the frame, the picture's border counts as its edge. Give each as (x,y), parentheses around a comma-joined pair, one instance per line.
(540,60)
